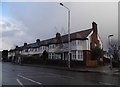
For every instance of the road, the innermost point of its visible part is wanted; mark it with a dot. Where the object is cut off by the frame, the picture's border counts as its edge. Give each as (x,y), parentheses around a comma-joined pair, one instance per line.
(0,73)
(27,75)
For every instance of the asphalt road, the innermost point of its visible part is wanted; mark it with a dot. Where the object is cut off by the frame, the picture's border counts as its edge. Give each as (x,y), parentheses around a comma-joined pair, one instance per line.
(26,75)
(0,74)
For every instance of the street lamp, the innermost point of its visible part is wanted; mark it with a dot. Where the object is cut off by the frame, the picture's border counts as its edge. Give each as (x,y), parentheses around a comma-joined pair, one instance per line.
(110,50)
(68,33)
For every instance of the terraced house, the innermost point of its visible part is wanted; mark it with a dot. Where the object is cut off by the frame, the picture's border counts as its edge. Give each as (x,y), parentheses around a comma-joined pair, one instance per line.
(82,42)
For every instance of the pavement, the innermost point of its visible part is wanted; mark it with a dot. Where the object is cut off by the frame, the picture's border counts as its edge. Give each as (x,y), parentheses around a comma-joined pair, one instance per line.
(100,69)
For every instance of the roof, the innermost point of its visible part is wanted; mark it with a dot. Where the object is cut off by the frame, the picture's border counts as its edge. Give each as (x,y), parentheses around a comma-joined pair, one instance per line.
(11,50)
(33,45)
(81,35)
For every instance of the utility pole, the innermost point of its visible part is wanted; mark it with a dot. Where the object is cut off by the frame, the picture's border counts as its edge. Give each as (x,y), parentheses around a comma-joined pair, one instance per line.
(69,50)
(110,50)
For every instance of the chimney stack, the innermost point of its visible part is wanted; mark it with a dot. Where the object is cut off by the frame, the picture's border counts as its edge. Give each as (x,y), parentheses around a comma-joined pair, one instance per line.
(58,35)
(38,41)
(59,38)
(95,41)
(16,47)
(25,44)
(94,27)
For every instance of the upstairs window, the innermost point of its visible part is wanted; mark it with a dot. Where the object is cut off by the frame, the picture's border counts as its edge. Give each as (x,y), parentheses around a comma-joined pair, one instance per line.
(65,45)
(73,43)
(79,42)
(26,50)
(52,46)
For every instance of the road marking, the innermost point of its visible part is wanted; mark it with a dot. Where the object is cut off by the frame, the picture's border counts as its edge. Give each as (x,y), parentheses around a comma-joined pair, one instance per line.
(105,83)
(19,82)
(30,79)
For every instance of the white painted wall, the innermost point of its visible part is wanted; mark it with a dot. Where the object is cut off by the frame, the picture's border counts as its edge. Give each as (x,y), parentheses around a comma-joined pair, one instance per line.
(100,41)
(119,54)
(32,51)
(11,54)
(89,40)
(41,49)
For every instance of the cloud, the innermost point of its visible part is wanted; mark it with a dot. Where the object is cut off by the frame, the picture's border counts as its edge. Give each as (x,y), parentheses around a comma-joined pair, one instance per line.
(10,25)
(6,45)
(33,23)
(11,32)
(20,33)
(5,25)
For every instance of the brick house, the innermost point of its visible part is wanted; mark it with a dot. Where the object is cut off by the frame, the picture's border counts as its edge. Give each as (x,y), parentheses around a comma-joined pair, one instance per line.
(82,42)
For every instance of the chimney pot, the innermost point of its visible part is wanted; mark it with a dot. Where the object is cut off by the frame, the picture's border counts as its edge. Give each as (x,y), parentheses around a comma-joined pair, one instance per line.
(38,41)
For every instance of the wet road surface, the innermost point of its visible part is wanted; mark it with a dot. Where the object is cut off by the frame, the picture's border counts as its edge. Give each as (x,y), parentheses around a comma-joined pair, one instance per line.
(13,74)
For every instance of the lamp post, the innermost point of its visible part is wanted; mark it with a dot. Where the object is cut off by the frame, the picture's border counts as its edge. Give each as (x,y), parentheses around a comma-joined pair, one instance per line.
(68,33)
(110,50)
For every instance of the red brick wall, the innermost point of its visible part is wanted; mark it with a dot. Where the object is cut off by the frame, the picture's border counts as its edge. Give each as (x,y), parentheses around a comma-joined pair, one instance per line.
(86,55)
(94,36)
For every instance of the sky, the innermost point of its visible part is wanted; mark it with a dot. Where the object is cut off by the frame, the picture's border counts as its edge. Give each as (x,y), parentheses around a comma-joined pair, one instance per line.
(22,22)
(119,24)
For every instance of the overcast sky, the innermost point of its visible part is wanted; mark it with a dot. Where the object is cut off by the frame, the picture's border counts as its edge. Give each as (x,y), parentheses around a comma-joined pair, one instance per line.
(27,21)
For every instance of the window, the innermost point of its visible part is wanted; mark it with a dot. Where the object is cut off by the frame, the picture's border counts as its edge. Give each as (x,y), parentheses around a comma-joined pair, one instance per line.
(50,55)
(35,49)
(53,45)
(50,46)
(73,43)
(39,49)
(31,49)
(79,42)
(73,54)
(58,56)
(65,45)
(26,50)
(80,55)
(43,47)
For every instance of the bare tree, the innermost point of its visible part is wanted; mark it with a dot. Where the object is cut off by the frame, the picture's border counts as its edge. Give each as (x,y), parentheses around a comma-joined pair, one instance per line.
(114,49)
